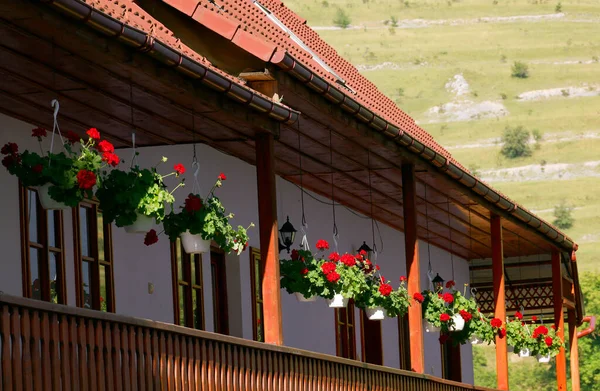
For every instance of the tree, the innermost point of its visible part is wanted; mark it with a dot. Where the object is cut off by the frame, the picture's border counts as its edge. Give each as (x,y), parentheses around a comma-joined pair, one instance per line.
(341,19)
(563,216)
(520,70)
(515,142)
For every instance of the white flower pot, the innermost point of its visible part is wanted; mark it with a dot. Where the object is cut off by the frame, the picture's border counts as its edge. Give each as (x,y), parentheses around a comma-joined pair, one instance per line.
(524,352)
(48,202)
(458,323)
(194,244)
(141,225)
(303,299)
(475,340)
(510,349)
(543,359)
(429,328)
(375,313)
(338,301)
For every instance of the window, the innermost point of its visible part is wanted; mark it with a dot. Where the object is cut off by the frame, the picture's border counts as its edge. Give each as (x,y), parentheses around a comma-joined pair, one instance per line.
(404,340)
(188,294)
(93,258)
(256,272)
(371,342)
(451,368)
(345,335)
(219,291)
(42,250)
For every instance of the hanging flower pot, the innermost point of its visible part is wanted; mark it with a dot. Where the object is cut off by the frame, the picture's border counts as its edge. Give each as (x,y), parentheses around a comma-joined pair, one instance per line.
(430,328)
(303,299)
(48,202)
(338,301)
(375,313)
(475,340)
(458,323)
(524,352)
(543,359)
(142,224)
(194,244)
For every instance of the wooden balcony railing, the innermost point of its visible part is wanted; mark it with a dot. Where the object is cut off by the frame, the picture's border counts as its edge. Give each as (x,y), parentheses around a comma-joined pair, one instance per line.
(52,347)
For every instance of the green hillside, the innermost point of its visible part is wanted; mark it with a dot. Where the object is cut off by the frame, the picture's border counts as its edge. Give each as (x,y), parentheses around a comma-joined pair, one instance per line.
(448,65)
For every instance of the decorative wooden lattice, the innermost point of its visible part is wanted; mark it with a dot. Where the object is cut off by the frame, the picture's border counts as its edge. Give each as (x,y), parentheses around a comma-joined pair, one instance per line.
(533,297)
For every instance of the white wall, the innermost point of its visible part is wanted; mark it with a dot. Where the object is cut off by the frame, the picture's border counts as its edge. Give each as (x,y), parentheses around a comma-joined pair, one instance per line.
(306,325)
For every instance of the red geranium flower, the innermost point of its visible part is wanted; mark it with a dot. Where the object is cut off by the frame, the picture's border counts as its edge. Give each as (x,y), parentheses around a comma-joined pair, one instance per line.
(111,159)
(466,315)
(518,315)
(403,278)
(418,297)
(448,298)
(222,177)
(553,327)
(362,253)
(348,260)
(295,255)
(93,133)
(333,277)
(72,137)
(9,160)
(534,318)
(106,147)
(548,341)
(502,333)
(322,245)
(39,132)
(377,267)
(151,238)
(193,203)
(328,267)
(37,168)
(450,284)
(496,323)
(10,149)
(540,330)
(86,179)
(334,256)
(304,271)
(444,317)
(179,169)
(385,289)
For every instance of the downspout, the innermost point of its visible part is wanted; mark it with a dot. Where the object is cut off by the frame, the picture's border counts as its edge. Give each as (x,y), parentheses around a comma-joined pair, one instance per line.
(591,327)
(160,51)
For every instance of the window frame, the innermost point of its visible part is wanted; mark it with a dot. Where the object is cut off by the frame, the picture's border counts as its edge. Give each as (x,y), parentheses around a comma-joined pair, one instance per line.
(42,246)
(187,282)
(451,361)
(348,324)
(371,340)
(93,260)
(219,291)
(258,334)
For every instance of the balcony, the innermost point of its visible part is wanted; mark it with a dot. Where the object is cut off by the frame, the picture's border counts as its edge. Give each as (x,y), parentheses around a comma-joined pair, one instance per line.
(48,346)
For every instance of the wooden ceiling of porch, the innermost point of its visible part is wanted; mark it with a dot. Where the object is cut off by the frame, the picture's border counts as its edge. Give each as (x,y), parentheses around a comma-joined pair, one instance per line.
(101,83)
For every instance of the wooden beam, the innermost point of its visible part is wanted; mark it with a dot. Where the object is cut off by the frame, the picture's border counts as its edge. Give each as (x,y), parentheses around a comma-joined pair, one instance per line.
(499,300)
(559,321)
(573,350)
(413,270)
(269,244)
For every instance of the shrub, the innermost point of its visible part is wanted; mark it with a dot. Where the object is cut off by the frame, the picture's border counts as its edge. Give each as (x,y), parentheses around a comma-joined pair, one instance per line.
(520,70)
(515,142)
(341,19)
(394,21)
(503,96)
(563,216)
(558,7)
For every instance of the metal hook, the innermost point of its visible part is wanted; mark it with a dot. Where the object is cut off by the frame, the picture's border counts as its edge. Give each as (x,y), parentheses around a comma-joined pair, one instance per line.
(54,103)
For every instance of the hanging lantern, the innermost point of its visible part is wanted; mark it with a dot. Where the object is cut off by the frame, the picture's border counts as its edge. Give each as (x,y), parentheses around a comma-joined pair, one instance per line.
(438,282)
(366,248)
(287,234)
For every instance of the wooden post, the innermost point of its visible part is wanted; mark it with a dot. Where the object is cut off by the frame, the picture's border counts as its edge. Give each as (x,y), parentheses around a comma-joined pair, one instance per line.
(499,300)
(269,244)
(573,350)
(559,321)
(413,270)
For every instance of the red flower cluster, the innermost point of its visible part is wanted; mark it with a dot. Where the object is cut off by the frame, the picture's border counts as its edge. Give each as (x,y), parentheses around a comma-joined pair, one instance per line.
(39,133)
(403,279)
(322,245)
(450,284)
(179,169)
(334,256)
(105,147)
(502,333)
(222,177)
(193,203)
(295,255)
(11,150)
(37,168)
(448,298)
(418,297)
(93,133)
(86,179)
(348,260)
(362,253)
(466,315)
(496,323)
(71,137)
(304,271)
(150,238)
(368,266)
(534,318)
(444,317)
(328,268)
(333,277)
(519,315)
(385,289)
(548,341)
(540,330)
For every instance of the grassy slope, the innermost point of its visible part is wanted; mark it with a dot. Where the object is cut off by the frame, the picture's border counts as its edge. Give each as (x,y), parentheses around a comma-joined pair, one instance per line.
(483,53)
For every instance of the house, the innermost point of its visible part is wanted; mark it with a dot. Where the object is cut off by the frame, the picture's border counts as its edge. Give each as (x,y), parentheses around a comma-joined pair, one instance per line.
(251,91)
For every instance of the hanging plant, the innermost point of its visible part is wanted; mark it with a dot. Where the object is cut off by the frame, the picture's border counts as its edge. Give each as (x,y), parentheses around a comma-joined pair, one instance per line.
(136,196)
(67,177)
(295,278)
(202,220)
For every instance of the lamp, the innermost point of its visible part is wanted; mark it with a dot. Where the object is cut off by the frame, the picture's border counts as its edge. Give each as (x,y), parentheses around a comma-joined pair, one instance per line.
(438,282)
(287,234)
(366,248)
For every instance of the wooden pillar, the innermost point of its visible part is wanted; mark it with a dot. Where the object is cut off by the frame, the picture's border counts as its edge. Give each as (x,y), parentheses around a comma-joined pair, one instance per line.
(559,321)
(413,270)
(499,300)
(573,350)
(269,244)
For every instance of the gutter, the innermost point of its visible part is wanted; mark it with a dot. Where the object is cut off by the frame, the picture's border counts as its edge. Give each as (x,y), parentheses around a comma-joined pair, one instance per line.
(405,140)
(144,42)
(591,327)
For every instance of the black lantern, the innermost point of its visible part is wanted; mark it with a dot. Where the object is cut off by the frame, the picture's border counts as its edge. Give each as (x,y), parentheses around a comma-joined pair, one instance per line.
(438,282)
(365,247)
(287,234)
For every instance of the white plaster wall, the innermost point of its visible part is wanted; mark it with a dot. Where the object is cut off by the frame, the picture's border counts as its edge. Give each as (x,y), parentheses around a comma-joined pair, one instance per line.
(307,326)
